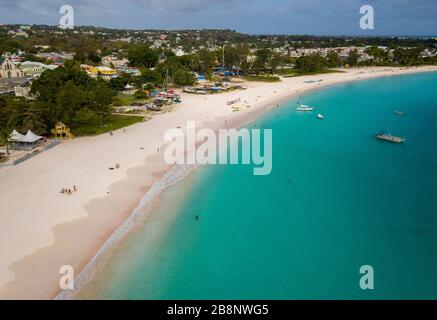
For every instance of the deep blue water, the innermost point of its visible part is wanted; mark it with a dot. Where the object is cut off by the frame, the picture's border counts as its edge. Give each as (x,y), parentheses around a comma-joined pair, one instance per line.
(337,199)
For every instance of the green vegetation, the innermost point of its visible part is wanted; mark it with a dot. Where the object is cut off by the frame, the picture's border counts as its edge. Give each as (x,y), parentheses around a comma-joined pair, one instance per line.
(124,100)
(88,126)
(183,77)
(141,55)
(300,74)
(69,95)
(263,78)
(65,94)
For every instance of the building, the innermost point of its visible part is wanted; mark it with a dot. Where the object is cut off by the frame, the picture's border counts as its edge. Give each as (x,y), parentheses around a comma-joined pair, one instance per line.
(9,70)
(105,73)
(35,69)
(113,61)
(57,58)
(23,90)
(135,72)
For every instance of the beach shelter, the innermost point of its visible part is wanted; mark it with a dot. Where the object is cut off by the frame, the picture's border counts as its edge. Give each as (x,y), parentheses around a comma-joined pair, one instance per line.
(24,141)
(31,137)
(16,136)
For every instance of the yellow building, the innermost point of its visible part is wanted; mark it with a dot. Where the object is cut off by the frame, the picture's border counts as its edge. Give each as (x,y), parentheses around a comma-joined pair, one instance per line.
(105,73)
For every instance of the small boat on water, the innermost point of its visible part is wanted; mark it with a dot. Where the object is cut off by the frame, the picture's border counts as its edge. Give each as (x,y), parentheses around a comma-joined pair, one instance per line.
(320,116)
(388,137)
(303,107)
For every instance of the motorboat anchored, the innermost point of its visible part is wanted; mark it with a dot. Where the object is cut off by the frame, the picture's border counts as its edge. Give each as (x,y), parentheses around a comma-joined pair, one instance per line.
(388,137)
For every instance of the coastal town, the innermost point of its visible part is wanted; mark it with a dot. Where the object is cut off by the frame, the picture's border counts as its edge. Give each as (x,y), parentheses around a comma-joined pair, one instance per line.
(84,112)
(133,74)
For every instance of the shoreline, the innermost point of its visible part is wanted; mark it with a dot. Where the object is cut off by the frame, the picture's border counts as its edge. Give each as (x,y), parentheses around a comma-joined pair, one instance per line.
(146,179)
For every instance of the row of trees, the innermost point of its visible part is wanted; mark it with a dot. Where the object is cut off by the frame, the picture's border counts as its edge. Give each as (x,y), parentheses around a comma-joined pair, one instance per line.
(379,57)
(265,61)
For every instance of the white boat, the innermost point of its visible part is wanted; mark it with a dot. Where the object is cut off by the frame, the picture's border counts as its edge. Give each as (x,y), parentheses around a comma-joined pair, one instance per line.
(320,116)
(303,107)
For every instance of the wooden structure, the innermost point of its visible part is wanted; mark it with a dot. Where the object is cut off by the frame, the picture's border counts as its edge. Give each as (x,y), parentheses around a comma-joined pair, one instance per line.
(61,131)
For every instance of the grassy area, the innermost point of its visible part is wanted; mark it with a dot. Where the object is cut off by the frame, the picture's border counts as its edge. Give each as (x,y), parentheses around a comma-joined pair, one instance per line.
(126,100)
(263,78)
(295,73)
(93,126)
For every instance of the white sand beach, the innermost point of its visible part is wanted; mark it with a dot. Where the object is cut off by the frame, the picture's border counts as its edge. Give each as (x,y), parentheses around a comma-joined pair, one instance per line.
(42,229)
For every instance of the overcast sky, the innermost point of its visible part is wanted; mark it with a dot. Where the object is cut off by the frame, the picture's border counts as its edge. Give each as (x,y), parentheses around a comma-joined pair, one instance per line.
(321,17)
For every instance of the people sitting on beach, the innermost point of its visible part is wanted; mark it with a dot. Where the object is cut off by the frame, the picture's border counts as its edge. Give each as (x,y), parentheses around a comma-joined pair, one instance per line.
(68,191)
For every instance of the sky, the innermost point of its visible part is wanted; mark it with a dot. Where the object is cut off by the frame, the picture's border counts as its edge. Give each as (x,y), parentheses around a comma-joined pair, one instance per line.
(317,17)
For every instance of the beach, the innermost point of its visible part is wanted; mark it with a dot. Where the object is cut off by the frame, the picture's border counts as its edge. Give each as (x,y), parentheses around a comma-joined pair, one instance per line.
(42,229)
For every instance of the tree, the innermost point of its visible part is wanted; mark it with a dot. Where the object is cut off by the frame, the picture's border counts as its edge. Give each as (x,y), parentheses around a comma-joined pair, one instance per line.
(379,55)
(333,60)
(118,84)
(353,58)
(141,55)
(100,98)
(4,137)
(204,61)
(275,61)
(87,55)
(262,58)
(309,64)
(62,93)
(69,100)
(184,77)
(33,120)
(151,76)
(407,57)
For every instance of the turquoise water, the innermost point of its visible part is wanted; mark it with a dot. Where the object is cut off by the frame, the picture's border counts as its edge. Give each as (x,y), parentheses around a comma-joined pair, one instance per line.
(337,199)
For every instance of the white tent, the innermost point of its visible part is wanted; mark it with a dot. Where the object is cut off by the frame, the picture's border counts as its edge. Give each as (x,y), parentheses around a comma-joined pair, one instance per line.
(16,136)
(30,137)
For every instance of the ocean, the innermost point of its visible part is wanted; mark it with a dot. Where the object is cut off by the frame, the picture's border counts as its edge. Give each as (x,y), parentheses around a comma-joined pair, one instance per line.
(337,199)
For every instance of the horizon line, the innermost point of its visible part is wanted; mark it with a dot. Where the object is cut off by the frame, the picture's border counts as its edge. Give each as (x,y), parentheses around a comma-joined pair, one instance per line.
(232,30)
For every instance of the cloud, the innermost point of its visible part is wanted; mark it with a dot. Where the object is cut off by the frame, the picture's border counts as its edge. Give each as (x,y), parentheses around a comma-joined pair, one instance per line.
(252,16)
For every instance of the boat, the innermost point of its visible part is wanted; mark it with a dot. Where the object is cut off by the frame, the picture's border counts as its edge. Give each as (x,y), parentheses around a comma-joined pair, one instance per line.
(189,90)
(153,107)
(388,137)
(303,107)
(320,116)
